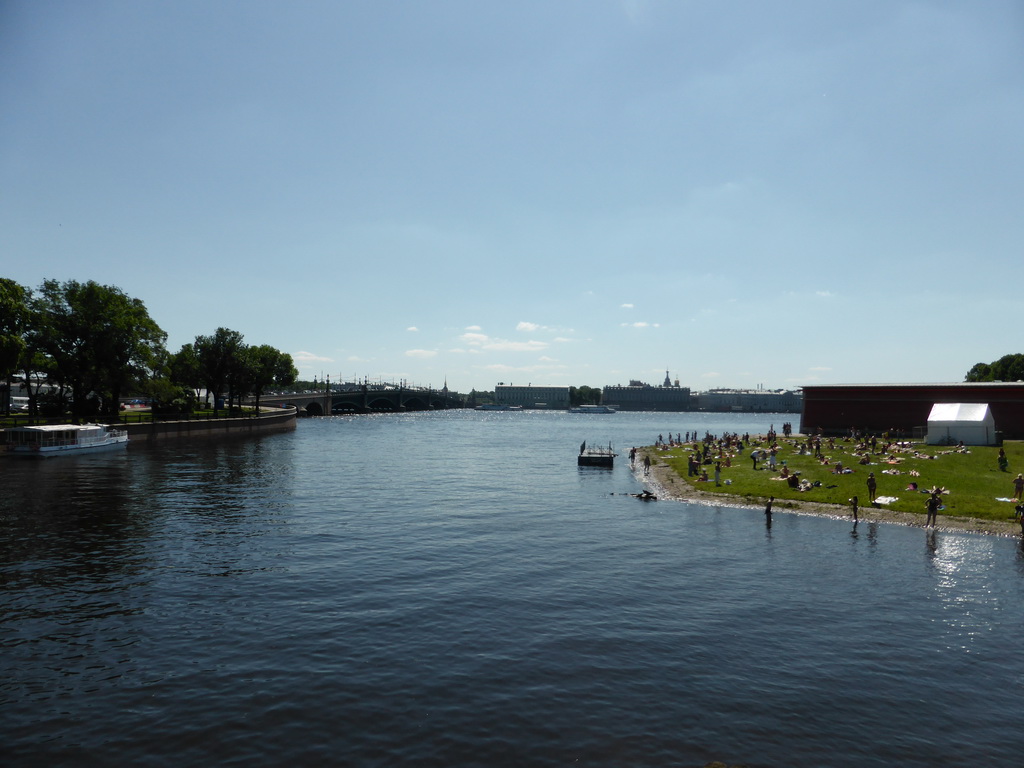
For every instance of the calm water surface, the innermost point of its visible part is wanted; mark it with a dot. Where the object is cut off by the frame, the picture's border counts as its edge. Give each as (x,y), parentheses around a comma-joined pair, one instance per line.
(450,589)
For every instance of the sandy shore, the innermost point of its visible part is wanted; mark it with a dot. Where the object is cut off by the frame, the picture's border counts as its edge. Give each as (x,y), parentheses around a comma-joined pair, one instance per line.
(666,484)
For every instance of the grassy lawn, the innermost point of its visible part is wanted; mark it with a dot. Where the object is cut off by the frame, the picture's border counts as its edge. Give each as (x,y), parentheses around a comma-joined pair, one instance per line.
(971,476)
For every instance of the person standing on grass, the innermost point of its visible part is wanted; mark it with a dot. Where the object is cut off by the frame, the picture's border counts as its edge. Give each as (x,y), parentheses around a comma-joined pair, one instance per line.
(1018,486)
(1003,461)
(872,486)
(718,473)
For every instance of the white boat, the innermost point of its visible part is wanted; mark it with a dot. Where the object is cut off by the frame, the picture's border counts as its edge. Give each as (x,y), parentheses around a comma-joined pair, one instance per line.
(592,409)
(496,407)
(64,439)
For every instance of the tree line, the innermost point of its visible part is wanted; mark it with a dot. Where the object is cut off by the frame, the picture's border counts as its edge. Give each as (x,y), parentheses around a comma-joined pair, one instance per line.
(80,348)
(1006,368)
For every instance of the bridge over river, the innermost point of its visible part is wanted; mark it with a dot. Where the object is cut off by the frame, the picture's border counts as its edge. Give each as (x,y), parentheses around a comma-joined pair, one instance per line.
(368,398)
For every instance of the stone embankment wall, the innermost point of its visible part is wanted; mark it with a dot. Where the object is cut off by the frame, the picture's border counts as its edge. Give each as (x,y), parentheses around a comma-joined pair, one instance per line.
(271,420)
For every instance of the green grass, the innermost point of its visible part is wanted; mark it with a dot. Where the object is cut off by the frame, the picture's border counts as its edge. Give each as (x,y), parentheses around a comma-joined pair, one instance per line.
(973,479)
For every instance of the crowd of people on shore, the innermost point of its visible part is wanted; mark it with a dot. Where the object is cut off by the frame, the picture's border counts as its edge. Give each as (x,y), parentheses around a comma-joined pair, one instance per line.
(709,454)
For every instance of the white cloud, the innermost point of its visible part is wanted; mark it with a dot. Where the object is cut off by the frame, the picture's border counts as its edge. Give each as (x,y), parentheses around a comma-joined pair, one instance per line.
(641,324)
(524,326)
(626,306)
(482,341)
(412,328)
(422,354)
(501,345)
(309,357)
(473,328)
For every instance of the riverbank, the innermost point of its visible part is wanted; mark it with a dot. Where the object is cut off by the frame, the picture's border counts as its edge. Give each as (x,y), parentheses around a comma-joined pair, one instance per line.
(269,421)
(667,484)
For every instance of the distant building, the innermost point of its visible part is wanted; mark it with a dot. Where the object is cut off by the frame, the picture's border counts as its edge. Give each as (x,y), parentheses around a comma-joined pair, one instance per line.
(835,409)
(749,400)
(638,396)
(531,396)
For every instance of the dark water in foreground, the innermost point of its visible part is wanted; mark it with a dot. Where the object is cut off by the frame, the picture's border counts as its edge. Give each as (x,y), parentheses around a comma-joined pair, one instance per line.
(449,589)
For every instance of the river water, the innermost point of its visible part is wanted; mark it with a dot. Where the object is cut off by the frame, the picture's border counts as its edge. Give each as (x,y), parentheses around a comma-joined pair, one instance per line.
(449,589)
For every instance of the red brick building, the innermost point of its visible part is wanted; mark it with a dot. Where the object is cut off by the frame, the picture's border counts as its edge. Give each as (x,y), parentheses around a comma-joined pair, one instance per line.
(904,408)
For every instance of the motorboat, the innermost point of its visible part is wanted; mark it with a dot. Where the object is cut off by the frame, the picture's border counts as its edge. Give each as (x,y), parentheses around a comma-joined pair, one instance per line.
(592,409)
(46,440)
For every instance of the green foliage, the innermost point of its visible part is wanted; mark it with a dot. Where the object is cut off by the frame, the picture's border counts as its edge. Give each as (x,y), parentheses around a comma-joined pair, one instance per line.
(584,395)
(97,341)
(13,319)
(93,344)
(224,364)
(266,367)
(219,359)
(1006,368)
(973,477)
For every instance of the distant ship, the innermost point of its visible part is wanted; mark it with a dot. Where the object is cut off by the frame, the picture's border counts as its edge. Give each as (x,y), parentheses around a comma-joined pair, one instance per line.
(592,409)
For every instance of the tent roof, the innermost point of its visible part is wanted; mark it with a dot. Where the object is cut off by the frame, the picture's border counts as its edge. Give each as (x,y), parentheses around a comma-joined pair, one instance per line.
(961,412)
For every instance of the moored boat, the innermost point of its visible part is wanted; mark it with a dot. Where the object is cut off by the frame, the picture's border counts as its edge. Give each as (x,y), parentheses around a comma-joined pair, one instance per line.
(592,409)
(48,440)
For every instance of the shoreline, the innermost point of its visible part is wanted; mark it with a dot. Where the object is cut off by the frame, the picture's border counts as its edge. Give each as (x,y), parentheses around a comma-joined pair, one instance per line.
(666,484)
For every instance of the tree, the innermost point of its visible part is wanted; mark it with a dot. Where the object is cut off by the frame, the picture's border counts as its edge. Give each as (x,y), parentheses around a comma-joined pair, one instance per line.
(98,343)
(218,355)
(1006,368)
(584,395)
(980,372)
(13,325)
(268,367)
(183,369)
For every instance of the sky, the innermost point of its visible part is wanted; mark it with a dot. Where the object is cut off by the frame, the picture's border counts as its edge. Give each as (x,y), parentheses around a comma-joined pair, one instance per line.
(552,192)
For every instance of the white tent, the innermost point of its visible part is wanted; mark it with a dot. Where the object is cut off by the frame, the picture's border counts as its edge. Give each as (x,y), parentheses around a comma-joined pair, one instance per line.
(971,423)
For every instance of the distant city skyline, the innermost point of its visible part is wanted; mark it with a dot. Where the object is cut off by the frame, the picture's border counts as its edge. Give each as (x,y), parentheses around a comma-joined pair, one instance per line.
(568,193)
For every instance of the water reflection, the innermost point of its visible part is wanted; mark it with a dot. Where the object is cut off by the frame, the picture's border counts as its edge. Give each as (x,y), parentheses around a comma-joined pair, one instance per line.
(964,567)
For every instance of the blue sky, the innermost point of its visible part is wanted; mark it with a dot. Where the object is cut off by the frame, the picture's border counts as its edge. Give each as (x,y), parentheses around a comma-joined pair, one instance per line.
(562,193)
